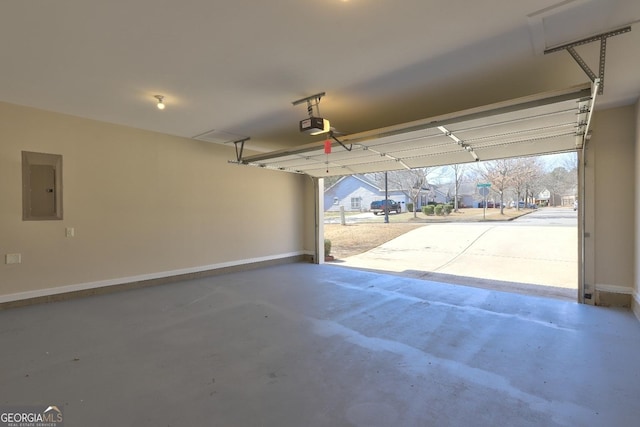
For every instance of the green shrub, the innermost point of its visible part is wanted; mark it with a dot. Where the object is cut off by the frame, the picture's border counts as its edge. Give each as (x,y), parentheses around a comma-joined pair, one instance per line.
(448,209)
(410,207)
(427,210)
(327,247)
(439,210)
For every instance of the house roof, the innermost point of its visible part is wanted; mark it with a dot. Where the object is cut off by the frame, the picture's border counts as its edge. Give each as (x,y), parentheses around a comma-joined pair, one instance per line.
(368,179)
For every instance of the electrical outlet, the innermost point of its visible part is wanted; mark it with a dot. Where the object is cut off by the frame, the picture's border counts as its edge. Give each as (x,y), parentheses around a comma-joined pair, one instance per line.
(70,232)
(13,258)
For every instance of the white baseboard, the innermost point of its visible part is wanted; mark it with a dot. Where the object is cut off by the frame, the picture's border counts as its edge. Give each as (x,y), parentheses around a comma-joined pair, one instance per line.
(615,289)
(18,296)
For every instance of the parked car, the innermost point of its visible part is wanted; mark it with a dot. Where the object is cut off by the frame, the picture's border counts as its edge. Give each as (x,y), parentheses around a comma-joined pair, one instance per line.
(490,204)
(522,205)
(382,206)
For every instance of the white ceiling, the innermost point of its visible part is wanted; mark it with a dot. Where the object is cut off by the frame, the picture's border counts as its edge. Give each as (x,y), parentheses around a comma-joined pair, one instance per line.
(236,66)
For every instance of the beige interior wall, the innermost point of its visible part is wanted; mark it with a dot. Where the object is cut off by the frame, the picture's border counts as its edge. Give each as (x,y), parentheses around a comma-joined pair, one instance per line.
(636,284)
(610,201)
(142,204)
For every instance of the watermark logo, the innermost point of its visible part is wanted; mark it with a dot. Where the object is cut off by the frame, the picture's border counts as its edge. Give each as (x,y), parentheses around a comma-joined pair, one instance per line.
(31,416)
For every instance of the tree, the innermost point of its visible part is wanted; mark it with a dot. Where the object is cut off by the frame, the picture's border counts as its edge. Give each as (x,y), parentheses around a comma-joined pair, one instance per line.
(499,174)
(459,172)
(331,180)
(526,174)
(559,182)
(570,162)
(412,183)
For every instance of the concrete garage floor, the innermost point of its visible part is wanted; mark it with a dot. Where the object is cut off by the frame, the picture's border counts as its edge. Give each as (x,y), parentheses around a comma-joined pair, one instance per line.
(309,345)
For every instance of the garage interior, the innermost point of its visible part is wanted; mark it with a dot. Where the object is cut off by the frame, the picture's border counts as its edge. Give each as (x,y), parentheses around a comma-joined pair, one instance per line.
(239,327)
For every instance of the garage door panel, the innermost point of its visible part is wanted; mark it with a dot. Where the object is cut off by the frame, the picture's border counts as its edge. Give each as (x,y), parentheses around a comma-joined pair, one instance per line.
(407,137)
(336,168)
(414,144)
(473,135)
(530,148)
(532,117)
(426,151)
(440,159)
(512,140)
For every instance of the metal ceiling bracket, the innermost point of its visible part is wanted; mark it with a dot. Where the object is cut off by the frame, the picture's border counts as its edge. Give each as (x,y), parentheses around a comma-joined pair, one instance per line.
(240,148)
(569,47)
(581,63)
(308,99)
(340,142)
(312,101)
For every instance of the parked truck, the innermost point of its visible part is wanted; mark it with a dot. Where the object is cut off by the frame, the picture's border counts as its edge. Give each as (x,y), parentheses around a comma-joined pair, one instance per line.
(380,206)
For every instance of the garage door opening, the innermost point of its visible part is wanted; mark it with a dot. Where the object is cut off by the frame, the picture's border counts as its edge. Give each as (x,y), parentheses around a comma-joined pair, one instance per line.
(514,231)
(550,122)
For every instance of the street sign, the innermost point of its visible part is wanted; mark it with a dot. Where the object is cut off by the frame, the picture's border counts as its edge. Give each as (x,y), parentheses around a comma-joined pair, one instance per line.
(484,184)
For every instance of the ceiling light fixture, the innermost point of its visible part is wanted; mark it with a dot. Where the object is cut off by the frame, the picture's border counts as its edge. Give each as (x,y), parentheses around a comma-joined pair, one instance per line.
(160,99)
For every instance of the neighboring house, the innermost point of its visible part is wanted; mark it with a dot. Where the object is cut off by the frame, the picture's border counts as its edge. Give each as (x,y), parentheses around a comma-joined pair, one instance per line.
(570,198)
(434,194)
(468,196)
(356,192)
(545,198)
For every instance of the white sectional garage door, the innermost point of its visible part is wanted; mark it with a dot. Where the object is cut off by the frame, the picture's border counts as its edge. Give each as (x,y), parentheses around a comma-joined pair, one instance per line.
(550,122)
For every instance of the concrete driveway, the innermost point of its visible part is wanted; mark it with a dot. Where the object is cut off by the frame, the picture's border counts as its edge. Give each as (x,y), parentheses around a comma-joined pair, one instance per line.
(536,253)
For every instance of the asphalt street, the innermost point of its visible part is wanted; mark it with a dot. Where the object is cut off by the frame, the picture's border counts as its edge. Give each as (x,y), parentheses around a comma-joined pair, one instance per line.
(534,253)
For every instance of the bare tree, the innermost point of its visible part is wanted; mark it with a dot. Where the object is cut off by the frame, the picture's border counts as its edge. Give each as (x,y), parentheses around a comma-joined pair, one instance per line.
(526,174)
(499,174)
(331,180)
(570,162)
(559,182)
(412,183)
(459,172)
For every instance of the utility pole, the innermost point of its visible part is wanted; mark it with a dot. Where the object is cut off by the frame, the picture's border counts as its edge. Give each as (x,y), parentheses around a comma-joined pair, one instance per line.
(386,198)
